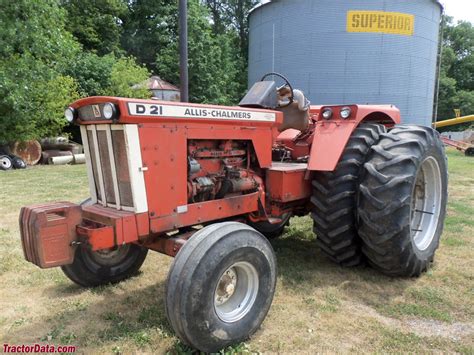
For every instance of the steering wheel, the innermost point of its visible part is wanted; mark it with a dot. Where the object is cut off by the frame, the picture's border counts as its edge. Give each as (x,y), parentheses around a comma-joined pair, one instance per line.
(287,84)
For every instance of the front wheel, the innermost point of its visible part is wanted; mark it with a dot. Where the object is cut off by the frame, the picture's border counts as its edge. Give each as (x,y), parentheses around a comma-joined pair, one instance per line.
(220,286)
(403,196)
(270,230)
(95,268)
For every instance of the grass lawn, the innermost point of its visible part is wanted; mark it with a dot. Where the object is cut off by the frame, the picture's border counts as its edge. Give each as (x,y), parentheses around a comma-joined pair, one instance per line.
(318,306)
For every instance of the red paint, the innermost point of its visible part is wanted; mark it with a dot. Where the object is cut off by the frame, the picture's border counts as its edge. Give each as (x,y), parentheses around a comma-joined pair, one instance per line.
(236,177)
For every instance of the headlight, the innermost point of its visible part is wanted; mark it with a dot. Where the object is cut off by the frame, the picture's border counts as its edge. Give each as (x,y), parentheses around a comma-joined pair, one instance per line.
(70,114)
(327,113)
(345,113)
(109,111)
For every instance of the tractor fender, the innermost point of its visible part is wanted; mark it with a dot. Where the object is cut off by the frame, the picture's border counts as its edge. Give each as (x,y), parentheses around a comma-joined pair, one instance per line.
(331,136)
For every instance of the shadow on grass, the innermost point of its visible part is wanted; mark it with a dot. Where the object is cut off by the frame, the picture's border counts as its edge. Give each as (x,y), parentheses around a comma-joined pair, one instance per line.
(138,314)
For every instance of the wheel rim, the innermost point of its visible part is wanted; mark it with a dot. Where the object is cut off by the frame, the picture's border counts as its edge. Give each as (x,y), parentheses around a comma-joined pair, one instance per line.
(108,257)
(426,203)
(6,163)
(236,292)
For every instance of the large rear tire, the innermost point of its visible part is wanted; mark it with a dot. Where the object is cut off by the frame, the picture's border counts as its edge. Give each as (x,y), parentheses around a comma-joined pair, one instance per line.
(220,286)
(403,200)
(335,199)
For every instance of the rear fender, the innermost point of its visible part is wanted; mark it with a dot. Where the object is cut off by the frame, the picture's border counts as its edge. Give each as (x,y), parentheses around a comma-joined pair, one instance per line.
(331,136)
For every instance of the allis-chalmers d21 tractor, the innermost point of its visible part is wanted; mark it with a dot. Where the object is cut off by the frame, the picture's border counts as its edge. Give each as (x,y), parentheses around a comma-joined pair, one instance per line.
(206,184)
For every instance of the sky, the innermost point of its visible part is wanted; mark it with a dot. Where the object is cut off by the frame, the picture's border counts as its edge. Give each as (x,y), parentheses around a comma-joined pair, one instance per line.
(459,9)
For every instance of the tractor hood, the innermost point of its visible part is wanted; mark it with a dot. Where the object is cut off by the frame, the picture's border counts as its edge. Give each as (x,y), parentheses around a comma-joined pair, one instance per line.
(102,110)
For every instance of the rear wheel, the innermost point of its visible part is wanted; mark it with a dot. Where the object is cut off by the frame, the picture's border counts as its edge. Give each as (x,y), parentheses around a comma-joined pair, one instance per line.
(220,286)
(335,199)
(403,200)
(95,268)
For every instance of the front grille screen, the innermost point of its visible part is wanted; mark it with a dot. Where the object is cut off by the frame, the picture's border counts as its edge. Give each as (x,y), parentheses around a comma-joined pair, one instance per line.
(105,165)
(121,165)
(92,149)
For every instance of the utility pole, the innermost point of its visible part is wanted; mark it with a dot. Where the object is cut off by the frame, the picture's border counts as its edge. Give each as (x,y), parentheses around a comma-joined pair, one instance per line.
(183,50)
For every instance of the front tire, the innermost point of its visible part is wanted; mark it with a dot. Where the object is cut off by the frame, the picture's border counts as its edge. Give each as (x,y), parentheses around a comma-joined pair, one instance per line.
(269,230)
(403,196)
(220,286)
(91,269)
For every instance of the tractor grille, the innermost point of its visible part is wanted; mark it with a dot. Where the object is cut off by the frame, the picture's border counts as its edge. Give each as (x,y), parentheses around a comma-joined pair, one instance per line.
(110,176)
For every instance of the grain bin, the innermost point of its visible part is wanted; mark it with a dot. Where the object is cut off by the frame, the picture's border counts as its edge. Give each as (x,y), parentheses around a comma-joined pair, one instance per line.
(346,51)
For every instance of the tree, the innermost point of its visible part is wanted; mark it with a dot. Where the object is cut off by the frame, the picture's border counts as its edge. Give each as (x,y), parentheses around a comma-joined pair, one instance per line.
(149,26)
(213,71)
(107,75)
(151,34)
(231,18)
(124,75)
(232,15)
(43,69)
(33,90)
(456,89)
(96,23)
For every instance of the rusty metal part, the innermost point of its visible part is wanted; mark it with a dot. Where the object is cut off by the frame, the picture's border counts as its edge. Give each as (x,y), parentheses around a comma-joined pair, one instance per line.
(46,155)
(243,184)
(219,153)
(169,245)
(466,148)
(29,151)
(48,232)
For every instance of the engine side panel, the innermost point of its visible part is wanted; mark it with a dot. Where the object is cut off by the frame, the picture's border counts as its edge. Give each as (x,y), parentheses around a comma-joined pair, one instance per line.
(185,166)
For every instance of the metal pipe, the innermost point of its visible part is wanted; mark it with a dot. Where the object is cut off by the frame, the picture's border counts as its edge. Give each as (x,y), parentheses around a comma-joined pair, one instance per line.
(183,50)
(303,102)
(438,74)
(454,121)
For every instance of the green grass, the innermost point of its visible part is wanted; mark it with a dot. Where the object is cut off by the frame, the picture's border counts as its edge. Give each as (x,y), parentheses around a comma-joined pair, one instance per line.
(318,306)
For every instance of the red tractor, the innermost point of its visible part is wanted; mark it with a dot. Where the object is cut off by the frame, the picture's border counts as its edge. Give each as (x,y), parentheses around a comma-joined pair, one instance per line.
(206,184)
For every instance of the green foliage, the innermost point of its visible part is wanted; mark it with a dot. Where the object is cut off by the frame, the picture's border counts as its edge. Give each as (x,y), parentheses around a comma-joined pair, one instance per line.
(43,68)
(96,23)
(33,102)
(213,72)
(33,90)
(37,28)
(456,90)
(91,72)
(108,76)
(125,73)
(149,26)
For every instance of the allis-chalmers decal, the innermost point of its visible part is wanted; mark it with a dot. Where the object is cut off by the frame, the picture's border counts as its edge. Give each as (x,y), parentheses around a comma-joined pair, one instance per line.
(142,109)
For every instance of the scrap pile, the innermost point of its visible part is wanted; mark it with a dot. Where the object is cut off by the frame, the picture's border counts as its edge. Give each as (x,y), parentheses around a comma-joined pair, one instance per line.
(56,151)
